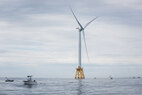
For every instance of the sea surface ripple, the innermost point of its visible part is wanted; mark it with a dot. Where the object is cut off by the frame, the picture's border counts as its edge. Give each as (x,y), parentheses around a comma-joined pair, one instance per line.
(64,86)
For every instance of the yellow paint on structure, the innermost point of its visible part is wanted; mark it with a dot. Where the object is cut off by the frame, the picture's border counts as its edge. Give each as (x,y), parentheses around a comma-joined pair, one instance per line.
(79,73)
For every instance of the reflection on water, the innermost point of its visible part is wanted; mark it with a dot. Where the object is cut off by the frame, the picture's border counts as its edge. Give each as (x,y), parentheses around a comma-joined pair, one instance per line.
(79,89)
(29,86)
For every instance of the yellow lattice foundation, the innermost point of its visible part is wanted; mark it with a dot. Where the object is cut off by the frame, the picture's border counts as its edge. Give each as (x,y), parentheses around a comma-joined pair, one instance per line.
(79,73)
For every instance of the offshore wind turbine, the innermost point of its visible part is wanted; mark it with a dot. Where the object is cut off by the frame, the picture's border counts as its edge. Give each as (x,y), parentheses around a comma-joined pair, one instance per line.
(79,71)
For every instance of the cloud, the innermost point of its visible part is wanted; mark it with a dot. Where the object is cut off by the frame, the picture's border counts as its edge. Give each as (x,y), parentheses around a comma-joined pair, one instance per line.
(34,33)
(131,4)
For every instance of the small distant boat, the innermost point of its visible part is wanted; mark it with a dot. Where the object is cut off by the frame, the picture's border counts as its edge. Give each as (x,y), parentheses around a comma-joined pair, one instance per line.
(9,80)
(136,77)
(110,77)
(29,81)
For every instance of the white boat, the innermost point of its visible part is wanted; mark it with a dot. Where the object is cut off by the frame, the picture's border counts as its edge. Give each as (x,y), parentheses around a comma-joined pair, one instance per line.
(29,81)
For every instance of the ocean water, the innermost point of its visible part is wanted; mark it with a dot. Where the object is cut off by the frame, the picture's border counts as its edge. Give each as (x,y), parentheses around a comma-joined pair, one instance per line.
(73,87)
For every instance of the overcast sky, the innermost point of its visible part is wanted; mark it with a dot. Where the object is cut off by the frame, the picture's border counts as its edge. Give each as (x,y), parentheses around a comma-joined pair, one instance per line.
(39,36)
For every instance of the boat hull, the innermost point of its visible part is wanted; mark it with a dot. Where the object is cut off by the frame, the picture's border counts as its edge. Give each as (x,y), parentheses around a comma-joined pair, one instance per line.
(9,80)
(30,82)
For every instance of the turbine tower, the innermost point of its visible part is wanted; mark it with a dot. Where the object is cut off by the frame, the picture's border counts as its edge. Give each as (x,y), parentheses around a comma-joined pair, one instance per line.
(79,71)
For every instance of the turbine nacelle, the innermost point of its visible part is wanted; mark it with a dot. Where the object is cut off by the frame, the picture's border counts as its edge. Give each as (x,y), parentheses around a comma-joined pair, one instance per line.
(79,71)
(80,29)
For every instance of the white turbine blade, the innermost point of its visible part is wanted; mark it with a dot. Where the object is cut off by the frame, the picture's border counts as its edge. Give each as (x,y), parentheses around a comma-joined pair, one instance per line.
(90,22)
(76,19)
(85,44)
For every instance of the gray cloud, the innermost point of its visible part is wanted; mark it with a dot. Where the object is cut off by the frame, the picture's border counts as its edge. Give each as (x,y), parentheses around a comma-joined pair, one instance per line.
(37,32)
